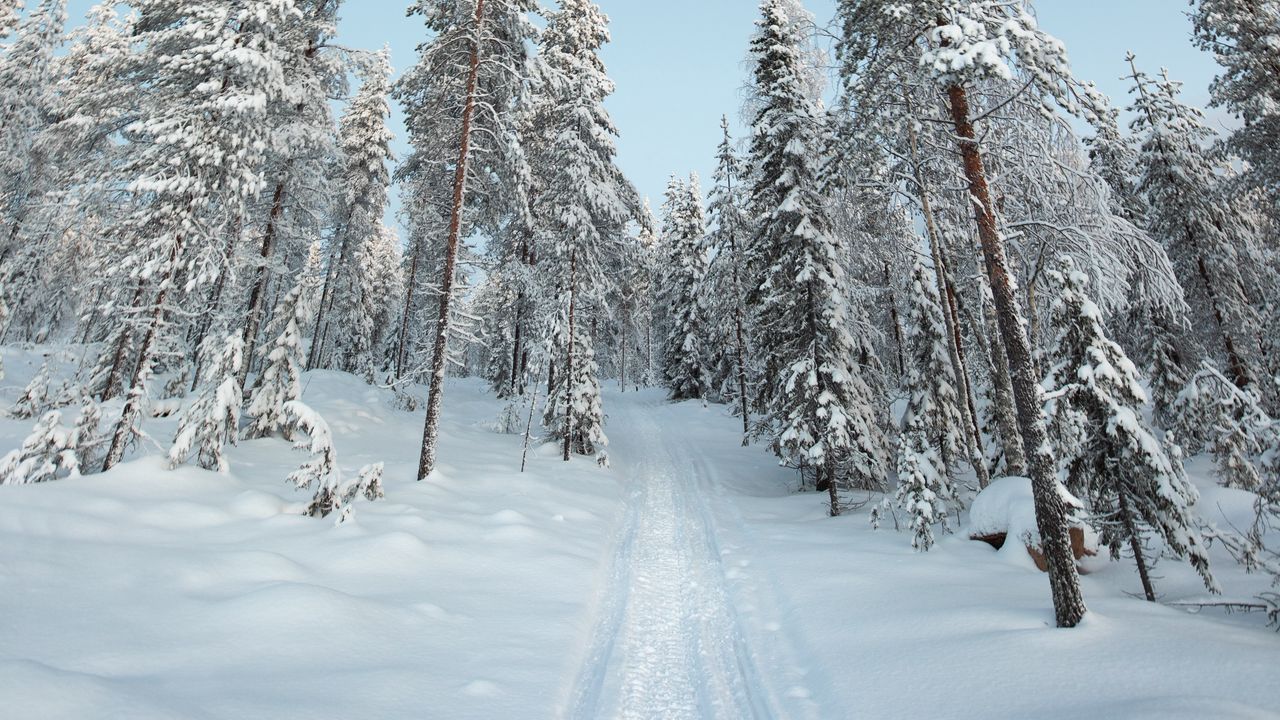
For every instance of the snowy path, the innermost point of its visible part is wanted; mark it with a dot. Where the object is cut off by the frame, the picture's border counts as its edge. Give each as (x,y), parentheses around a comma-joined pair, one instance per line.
(669,641)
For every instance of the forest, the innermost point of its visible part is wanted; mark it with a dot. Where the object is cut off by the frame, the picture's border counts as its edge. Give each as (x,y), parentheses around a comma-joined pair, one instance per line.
(940,281)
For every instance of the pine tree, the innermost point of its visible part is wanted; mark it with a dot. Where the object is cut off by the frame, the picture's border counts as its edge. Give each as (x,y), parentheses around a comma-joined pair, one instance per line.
(198,159)
(26,85)
(723,291)
(685,346)
(280,383)
(467,84)
(585,204)
(48,453)
(933,406)
(348,313)
(212,421)
(1190,215)
(1243,35)
(1111,459)
(818,404)
(956,46)
(299,193)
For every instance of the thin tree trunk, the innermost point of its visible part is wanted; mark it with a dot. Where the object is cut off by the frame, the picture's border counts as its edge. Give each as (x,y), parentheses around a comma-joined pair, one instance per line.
(1015,455)
(402,340)
(946,292)
(254,319)
(893,317)
(1135,543)
(142,369)
(1051,510)
(431,429)
(515,348)
(115,376)
(626,340)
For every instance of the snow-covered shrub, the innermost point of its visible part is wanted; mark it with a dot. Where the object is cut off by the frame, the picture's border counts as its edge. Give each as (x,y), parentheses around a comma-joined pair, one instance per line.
(48,453)
(322,473)
(1215,414)
(35,396)
(923,489)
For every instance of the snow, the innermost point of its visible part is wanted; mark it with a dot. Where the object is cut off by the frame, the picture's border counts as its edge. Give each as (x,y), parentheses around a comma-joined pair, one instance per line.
(686,582)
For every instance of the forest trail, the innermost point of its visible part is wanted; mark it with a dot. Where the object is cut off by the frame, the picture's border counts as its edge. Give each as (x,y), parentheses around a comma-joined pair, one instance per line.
(684,629)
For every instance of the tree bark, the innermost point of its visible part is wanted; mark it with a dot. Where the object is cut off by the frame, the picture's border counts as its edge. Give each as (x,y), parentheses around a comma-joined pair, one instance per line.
(402,338)
(1051,509)
(946,293)
(431,429)
(256,306)
(1135,543)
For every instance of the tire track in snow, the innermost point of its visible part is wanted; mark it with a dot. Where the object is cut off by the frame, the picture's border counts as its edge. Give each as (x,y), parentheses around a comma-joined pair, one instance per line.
(668,642)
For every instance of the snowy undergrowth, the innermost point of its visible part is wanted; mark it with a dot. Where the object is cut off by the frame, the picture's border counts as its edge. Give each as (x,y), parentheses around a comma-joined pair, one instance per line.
(150,593)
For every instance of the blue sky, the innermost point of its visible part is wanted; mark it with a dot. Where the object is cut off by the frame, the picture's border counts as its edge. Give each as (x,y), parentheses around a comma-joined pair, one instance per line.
(679,64)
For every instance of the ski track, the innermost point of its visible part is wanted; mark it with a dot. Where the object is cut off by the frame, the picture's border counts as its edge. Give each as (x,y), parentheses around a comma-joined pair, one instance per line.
(668,640)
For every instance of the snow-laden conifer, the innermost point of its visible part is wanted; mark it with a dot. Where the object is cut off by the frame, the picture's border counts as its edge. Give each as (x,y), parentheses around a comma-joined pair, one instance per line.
(350,311)
(1212,413)
(197,160)
(685,347)
(1191,216)
(933,405)
(48,453)
(1110,458)
(818,405)
(279,382)
(1243,36)
(212,421)
(321,472)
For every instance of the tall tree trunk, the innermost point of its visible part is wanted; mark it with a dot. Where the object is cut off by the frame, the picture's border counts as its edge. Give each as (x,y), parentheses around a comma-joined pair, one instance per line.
(1006,413)
(946,293)
(132,410)
(515,346)
(402,337)
(893,318)
(1051,509)
(439,360)
(568,364)
(253,321)
(626,340)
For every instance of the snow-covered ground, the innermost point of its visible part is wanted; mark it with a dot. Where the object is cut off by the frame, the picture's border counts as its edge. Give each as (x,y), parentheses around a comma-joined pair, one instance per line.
(685,582)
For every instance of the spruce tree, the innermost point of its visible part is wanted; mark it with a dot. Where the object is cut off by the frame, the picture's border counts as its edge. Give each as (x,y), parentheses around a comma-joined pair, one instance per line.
(723,292)
(818,404)
(933,406)
(348,316)
(279,382)
(585,205)
(685,346)
(463,102)
(1190,215)
(1243,35)
(1111,459)
(212,421)
(48,453)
